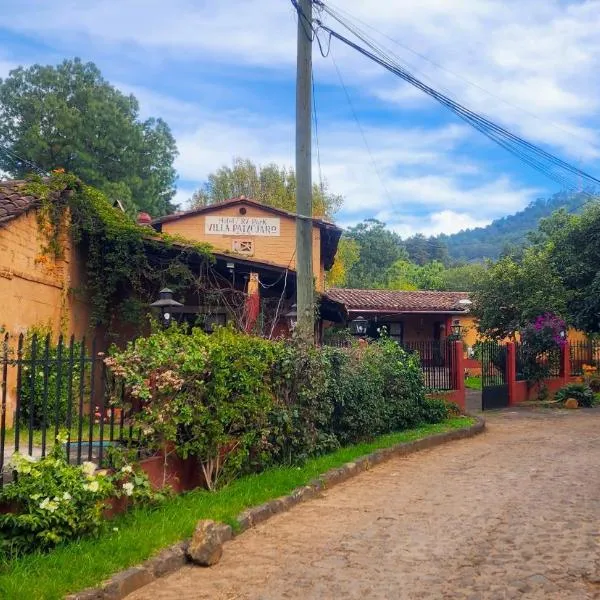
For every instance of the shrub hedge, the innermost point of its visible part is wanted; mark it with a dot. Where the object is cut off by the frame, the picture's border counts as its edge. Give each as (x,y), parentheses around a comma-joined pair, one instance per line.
(242,403)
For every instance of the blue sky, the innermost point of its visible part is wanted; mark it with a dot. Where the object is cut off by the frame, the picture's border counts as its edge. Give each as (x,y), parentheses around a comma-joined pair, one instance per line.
(222,75)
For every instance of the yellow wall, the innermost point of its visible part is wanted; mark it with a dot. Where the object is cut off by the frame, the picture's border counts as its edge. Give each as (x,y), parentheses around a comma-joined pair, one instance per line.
(36,291)
(280,250)
(470,335)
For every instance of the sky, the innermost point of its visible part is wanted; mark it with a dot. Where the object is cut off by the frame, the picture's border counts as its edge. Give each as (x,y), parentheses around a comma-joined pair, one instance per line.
(222,74)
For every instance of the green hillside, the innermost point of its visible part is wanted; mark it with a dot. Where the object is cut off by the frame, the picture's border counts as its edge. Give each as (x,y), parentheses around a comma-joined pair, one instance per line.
(491,241)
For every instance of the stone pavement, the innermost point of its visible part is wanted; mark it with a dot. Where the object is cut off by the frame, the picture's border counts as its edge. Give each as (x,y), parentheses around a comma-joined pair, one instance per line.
(512,513)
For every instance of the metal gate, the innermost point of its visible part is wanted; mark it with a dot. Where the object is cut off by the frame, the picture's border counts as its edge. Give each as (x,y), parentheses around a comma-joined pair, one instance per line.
(493,376)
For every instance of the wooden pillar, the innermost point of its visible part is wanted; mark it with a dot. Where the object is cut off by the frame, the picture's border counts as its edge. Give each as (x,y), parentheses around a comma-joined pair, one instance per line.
(252,309)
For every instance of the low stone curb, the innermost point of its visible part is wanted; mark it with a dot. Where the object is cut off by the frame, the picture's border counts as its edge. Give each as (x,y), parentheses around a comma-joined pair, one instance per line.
(173,558)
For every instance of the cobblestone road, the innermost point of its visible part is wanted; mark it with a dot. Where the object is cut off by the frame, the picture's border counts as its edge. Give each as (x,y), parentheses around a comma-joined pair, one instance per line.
(513,513)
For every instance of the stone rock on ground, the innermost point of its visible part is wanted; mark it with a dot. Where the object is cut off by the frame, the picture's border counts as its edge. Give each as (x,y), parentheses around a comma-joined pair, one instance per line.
(571,403)
(206,546)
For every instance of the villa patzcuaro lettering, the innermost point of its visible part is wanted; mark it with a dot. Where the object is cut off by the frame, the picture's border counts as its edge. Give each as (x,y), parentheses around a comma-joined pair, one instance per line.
(242,225)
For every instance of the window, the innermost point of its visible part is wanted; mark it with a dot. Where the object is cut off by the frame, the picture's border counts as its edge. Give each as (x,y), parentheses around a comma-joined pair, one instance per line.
(245,247)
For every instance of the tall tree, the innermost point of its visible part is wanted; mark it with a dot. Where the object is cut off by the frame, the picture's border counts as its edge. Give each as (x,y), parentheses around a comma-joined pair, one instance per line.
(512,294)
(348,254)
(70,117)
(270,184)
(379,249)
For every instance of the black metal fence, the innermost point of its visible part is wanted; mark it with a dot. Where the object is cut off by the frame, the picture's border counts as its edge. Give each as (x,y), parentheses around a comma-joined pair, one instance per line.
(50,388)
(585,353)
(437,359)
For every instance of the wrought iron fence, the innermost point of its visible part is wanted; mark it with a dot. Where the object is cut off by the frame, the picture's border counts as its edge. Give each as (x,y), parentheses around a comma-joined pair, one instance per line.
(437,362)
(550,361)
(49,388)
(584,353)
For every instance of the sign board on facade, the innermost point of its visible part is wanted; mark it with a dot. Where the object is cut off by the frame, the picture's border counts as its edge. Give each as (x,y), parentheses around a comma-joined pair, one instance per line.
(242,226)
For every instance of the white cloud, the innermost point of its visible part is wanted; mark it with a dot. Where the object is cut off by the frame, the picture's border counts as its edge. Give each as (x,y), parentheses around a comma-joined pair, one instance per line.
(446,221)
(538,59)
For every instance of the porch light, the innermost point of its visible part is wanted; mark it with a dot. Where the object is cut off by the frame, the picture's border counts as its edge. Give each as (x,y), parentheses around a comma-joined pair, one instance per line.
(291,317)
(359,326)
(456,328)
(166,305)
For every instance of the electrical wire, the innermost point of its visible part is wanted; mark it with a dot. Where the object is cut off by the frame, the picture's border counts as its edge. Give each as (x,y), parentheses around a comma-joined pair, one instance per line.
(449,71)
(537,158)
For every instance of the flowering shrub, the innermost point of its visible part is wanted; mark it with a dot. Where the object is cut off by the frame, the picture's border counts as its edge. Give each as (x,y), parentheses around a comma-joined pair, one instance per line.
(541,342)
(51,501)
(205,395)
(239,403)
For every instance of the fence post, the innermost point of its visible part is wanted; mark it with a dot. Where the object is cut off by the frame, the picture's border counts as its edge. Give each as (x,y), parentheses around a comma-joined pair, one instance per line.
(459,375)
(565,362)
(511,372)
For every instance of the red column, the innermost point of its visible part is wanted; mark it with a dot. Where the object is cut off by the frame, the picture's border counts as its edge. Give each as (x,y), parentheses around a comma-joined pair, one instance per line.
(511,372)
(459,375)
(565,362)
(252,308)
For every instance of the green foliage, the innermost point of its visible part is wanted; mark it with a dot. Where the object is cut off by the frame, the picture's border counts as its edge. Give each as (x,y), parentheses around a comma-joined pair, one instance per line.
(580,391)
(508,234)
(512,293)
(206,395)
(70,117)
(378,248)
(51,502)
(48,385)
(269,184)
(347,255)
(123,260)
(241,403)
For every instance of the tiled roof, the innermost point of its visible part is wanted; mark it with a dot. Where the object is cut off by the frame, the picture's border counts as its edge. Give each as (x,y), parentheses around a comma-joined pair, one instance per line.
(399,301)
(13,200)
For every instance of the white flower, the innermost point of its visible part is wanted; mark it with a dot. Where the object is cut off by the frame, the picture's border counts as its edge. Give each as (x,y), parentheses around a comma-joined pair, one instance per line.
(115,529)
(49,505)
(128,488)
(88,468)
(67,496)
(92,486)
(127,469)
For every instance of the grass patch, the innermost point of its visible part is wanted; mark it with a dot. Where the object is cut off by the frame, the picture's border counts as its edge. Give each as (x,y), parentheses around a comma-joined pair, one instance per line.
(142,532)
(473,383)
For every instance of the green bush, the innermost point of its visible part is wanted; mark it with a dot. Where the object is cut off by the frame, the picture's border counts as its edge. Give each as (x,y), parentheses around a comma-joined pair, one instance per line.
(580,391)
(241,403)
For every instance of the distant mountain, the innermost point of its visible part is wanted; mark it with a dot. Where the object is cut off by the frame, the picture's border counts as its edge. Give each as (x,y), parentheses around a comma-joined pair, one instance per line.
(489,242)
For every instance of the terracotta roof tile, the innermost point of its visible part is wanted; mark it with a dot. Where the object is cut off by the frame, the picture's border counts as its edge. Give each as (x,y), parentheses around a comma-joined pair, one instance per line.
(13,200)
(399,301)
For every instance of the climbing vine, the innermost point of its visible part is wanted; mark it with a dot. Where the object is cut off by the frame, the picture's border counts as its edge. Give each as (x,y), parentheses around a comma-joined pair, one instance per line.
(124,261)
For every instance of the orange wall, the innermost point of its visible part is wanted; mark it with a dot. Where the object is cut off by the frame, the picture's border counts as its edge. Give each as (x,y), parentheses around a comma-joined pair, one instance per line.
(35,292)
(280,250)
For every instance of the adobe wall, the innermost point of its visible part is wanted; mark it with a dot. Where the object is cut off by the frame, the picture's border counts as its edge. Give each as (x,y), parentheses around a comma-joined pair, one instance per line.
(279,249)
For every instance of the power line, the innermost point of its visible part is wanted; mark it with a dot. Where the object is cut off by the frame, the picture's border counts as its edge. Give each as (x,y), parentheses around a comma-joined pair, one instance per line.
(362,132)
(546,163)
(454,74)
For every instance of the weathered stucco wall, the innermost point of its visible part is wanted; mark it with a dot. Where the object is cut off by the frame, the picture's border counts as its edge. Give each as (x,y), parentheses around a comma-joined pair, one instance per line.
(37,290)
(280,249)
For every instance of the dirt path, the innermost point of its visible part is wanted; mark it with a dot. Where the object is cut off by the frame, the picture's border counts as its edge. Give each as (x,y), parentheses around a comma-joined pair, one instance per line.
(513,513)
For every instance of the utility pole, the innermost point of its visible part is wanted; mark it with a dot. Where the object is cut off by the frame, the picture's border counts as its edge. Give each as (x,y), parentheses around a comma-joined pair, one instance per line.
(304,243)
